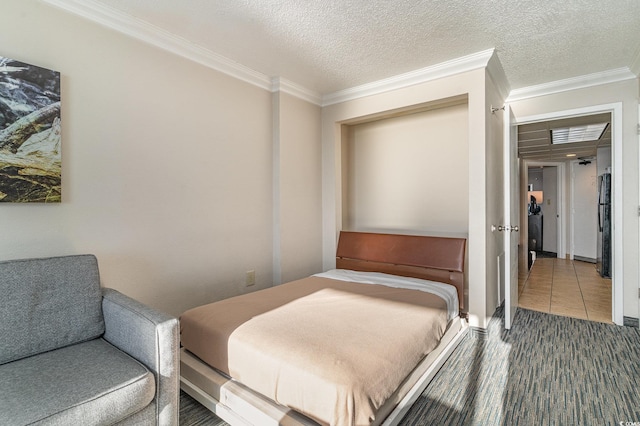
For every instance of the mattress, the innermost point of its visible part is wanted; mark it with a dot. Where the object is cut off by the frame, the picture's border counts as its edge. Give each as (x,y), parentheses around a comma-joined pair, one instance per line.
(334,346)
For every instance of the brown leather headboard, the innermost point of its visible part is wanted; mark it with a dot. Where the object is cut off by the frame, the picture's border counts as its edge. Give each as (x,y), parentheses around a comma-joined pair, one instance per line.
(432,258)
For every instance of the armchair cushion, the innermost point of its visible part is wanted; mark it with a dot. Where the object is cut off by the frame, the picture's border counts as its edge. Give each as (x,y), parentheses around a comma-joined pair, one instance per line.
(89,383)
(48,303)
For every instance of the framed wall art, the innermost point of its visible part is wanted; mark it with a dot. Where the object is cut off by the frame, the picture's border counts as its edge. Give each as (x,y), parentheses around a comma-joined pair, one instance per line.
(30,137)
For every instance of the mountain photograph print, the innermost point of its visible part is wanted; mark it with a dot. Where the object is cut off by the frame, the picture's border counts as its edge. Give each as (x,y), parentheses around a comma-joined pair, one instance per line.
(30,156)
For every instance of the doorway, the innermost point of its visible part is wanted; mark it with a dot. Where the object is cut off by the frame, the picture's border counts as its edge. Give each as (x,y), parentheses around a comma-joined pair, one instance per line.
(564,282)
(545,206)
(534,155)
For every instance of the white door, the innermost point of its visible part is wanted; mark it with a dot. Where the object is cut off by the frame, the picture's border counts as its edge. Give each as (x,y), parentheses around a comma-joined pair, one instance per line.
(550,209)
(510,228)
(584,216)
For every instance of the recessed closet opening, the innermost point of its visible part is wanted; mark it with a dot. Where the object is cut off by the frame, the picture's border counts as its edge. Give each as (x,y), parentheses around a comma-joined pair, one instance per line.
(408,171)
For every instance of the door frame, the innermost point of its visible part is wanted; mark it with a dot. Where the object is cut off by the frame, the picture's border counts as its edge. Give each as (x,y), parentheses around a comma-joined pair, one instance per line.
(561,199)
(617,285)
(511,216)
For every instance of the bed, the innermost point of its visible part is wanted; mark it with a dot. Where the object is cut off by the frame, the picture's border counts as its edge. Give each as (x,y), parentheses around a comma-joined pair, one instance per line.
(279,355)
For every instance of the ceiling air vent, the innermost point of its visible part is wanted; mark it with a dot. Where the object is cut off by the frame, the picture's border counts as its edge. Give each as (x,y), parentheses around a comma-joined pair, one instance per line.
(589,132)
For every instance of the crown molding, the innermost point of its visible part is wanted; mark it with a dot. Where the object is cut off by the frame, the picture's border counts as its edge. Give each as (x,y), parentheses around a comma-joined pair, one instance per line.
(279,84)
(574,83)
(423,75)
(498,76)
(141,30)
(156,36)
(635,65)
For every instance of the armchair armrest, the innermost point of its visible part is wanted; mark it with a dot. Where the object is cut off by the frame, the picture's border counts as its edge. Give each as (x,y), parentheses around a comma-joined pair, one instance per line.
(152,338)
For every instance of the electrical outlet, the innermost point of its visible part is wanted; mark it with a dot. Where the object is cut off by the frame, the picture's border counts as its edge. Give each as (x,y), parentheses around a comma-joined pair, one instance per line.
(251,278)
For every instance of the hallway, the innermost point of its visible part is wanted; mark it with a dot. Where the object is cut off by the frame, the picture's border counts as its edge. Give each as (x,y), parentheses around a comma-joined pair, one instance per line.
(565,287)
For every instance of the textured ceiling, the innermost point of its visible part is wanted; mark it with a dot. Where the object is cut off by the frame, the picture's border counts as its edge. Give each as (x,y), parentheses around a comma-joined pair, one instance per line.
(331,45)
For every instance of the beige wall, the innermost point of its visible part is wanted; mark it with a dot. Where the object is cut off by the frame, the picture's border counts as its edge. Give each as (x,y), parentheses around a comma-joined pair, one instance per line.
(624,92)
(180,179)
(469,85)
(410,172)
(167,166)
(298,203)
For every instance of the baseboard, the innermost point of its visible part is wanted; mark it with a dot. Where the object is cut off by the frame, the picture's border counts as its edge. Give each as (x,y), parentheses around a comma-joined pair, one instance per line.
(631,322)
(548,254)
(584,259)
(479,333)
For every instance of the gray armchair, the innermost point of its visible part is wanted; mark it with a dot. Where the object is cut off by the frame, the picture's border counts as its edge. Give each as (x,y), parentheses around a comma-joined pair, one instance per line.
(74,353)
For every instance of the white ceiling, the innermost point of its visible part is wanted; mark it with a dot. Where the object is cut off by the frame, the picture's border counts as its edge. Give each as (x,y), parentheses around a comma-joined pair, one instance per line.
(331,45)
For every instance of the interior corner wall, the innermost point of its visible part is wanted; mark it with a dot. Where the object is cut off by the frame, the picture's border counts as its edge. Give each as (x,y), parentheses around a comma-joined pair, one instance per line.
(166,165)
(409,172)
(470,84)
(625,92)
(298,205)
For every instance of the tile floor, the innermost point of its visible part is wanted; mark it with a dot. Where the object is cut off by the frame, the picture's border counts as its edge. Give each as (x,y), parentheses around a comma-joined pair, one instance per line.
(565,287)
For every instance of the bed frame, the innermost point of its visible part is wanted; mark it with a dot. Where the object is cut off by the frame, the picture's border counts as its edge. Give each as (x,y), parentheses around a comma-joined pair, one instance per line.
(433,258)
(430,258)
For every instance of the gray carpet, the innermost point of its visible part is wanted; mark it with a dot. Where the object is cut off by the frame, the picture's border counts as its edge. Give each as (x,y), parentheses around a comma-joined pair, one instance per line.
(548,370)
(194,414)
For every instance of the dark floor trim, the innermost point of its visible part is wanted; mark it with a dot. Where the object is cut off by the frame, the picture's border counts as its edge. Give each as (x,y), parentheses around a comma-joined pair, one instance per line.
(631,322)
(543,254)
(480,333)
(584,259)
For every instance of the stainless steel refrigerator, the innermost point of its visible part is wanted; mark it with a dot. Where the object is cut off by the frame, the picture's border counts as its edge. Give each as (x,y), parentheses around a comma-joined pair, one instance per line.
(603,262)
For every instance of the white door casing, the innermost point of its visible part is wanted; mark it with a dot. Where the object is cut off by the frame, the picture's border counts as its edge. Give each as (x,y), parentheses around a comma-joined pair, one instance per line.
(511,214)
(616,160)
(561,202)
